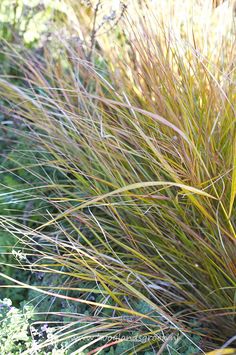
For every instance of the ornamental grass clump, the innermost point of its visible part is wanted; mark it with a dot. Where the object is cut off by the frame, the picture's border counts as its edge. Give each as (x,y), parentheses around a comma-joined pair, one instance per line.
(135,139)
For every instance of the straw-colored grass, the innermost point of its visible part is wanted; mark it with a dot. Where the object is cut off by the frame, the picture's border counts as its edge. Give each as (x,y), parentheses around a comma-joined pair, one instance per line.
(143,135)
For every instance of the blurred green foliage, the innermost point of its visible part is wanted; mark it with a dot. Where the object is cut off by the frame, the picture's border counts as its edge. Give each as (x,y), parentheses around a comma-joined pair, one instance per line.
(31,21)
(15,155)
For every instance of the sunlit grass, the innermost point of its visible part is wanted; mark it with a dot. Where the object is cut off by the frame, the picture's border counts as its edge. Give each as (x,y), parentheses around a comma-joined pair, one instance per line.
(144,139)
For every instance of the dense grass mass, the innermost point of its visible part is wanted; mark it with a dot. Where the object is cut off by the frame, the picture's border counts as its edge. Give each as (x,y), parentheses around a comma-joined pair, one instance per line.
(129,131)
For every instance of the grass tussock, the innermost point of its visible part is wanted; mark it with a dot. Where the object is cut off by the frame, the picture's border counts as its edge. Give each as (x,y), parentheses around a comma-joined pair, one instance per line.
(135,140)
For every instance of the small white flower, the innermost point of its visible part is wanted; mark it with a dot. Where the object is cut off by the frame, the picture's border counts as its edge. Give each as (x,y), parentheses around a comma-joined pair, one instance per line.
(19,255)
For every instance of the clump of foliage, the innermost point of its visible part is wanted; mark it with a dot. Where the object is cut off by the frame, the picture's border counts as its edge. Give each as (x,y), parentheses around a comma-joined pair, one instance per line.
(14,328)
(18,333)
(137,128)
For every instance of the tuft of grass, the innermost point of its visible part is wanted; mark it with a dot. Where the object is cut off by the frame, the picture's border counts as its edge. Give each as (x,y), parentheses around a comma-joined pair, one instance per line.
(136,147)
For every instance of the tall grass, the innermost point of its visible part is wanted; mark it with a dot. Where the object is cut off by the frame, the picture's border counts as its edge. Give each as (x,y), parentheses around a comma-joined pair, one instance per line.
(142,132)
